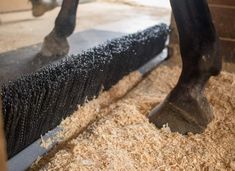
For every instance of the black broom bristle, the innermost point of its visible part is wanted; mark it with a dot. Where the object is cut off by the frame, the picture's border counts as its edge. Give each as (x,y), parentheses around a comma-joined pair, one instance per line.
(36,103)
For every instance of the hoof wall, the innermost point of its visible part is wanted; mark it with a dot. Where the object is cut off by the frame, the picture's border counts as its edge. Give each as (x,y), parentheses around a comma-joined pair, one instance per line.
(184,115)
(54,46)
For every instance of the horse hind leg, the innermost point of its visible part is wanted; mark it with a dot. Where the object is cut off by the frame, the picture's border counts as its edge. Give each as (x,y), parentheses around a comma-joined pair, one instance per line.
(186,109)
(39,7)
(56,44)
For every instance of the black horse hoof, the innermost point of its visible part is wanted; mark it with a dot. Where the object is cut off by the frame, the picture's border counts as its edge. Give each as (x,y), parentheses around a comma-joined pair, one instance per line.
(183,113)
(54,46)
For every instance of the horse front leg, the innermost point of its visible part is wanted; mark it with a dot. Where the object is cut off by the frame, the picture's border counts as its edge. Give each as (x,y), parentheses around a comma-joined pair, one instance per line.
(56,42)
(186,109)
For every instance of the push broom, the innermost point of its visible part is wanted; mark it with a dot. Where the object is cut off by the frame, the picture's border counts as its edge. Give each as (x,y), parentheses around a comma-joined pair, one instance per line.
(37,102)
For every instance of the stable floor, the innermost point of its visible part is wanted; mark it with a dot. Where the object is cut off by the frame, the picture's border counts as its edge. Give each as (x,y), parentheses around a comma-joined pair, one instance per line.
(118,136)
(22,29)
(122,137)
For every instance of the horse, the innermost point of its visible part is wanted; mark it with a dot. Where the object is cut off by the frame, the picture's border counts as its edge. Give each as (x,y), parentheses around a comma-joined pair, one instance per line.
(185,109)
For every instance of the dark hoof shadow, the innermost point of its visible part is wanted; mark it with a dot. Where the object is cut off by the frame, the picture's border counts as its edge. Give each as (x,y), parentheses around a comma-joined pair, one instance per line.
(39,61)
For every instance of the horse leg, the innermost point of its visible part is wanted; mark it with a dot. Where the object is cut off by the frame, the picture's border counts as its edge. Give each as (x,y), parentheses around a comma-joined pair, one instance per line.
(39,7)
(186,108)
(56,42)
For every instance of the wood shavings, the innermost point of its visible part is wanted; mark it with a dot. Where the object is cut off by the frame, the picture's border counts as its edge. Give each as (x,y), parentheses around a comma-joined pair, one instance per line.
(121,137)
(232,165)
(45,143)
(74,124)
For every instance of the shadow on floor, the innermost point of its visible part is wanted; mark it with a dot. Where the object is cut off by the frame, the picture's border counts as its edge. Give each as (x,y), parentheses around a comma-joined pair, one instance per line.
(14,64)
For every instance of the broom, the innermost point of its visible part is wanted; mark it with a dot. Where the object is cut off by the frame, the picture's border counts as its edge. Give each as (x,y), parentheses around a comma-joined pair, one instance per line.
(37,102)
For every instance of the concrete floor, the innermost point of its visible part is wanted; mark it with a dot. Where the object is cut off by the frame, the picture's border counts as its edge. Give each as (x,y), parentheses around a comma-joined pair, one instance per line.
(21,34)
(22,29)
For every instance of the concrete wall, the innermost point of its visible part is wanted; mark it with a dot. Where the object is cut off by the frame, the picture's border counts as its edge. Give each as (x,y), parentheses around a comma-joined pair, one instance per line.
(14,5)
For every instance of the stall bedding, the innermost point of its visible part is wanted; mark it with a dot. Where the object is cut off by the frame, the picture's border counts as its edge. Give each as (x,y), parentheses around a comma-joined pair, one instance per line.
(112,132)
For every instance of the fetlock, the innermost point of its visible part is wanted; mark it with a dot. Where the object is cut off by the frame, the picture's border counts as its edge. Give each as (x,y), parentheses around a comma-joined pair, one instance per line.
(53,45)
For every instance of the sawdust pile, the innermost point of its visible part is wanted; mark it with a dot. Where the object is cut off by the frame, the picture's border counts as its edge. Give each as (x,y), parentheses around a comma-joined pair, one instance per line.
(86,114)
(121,138)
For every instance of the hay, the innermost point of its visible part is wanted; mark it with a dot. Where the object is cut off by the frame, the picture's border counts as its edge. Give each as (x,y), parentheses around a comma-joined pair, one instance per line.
(121,138)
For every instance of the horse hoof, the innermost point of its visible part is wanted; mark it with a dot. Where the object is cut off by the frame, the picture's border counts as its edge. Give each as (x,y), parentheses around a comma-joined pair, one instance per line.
(40,7)
(183,112)
(54,46)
